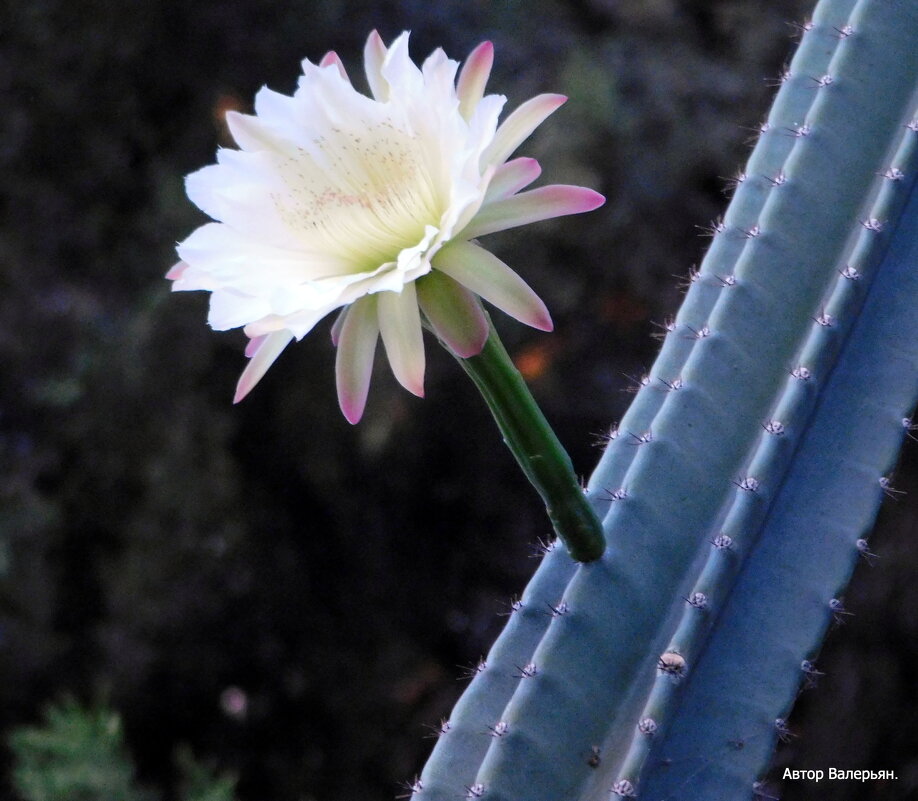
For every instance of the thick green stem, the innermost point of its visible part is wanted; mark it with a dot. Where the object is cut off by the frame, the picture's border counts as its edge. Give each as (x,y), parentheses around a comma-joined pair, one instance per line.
(536,448)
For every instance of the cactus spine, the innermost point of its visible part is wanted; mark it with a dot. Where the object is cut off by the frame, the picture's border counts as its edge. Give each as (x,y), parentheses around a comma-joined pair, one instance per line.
(756,458)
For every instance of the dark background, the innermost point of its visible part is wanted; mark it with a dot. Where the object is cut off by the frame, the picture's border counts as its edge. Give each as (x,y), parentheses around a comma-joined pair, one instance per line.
(162,547)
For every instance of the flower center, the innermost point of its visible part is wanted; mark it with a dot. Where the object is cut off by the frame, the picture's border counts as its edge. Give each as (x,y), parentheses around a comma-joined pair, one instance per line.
(362,193)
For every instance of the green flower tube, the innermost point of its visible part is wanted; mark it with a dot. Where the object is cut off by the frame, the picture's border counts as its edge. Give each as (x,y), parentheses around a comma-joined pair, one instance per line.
(536,448)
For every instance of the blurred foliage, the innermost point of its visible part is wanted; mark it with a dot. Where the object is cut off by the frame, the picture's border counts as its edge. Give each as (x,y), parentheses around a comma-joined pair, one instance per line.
(79,754)
(198,782)
(287,593)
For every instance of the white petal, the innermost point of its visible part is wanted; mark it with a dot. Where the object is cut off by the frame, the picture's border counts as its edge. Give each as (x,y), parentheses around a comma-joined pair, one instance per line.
(253,134)
(276,110)
(486,275)
(465,202)
(331,57)
(229,309)
(439,73)
(528,207)
(175,272)
(483,124)
(241,191)
(298,324)
(335,331)
(354,360)
(253,345)
(266,354)
(223,256)
(400,326)
(519,125)
(400,73)
(321,72)
(374,54)
(512,176)
(474,77)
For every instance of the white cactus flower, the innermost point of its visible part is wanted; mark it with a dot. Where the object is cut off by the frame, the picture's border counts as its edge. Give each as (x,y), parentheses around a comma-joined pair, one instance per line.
(336,200)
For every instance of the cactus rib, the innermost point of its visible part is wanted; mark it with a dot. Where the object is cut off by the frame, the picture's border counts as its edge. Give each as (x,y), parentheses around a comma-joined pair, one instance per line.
(788,592)
(762,174)
(781,439)
(464,738)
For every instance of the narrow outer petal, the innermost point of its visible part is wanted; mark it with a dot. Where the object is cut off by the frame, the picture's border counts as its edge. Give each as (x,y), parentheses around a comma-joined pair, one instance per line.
(336,326)
(454,312)
(374,54)
(254,345)
(331,57)
(268,350)
(543,203)
(400,326)
(486,275)
(519,125)
(511,177)
(354,360)
(175,272)
(473,77)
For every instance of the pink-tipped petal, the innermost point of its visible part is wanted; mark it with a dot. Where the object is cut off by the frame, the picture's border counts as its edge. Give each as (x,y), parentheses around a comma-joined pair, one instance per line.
(175,272)
(400,327)
(331,57)
(510,177)
(253,345)
(514,130)
(269,349)
(336,326)
(543,203)
(374,54)
(454,313)
(354,360)
(473,77)
(486,275)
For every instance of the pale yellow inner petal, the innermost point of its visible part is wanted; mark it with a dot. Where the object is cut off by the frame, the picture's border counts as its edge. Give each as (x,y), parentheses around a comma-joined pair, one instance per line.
(363,193)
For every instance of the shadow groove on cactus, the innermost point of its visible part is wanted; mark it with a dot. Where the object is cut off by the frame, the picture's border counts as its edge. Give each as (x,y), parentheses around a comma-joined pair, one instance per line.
(733,529)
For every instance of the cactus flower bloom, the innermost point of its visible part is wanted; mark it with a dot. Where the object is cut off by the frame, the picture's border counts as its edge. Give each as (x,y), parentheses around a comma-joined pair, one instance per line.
(337,200)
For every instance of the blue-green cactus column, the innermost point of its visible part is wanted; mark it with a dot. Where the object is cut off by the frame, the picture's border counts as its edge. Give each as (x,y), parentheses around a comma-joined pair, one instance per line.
(764,402)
